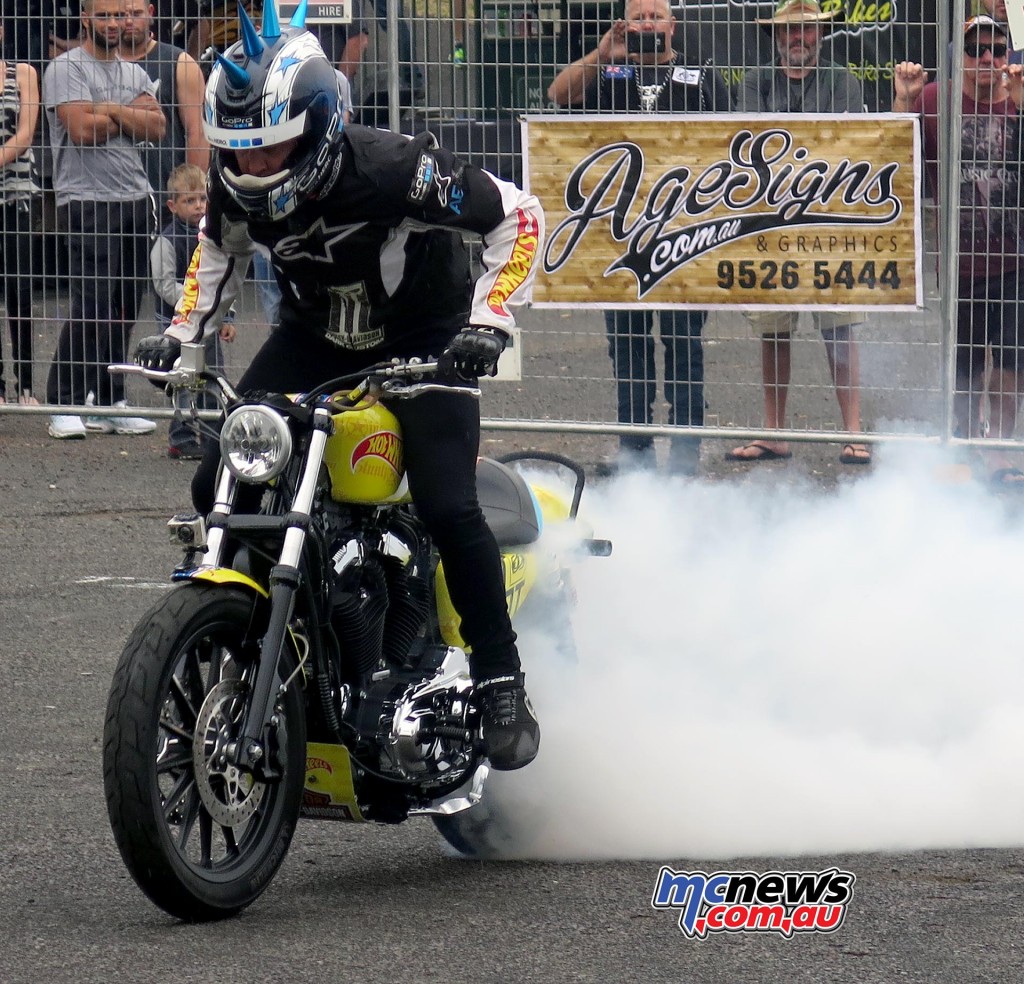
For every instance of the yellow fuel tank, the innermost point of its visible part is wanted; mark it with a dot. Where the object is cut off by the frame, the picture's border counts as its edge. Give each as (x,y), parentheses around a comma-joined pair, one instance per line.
(364,457)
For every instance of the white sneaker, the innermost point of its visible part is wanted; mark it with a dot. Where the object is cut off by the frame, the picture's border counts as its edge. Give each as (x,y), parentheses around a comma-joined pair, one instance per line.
(121,425)
(65,427)
(94,423)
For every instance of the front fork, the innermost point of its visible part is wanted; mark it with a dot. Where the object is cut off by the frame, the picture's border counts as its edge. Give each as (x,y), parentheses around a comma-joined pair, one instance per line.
(255,739)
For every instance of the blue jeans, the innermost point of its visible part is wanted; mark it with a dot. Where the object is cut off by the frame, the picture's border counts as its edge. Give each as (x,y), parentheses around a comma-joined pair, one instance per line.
(631,348)
(267,287)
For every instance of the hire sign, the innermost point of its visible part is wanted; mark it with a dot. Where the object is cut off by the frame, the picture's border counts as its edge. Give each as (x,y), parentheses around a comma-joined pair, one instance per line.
(318,11)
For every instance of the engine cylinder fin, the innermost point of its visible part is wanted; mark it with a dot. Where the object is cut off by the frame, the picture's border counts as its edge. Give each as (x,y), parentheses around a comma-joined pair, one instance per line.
(407,610)
(359,618)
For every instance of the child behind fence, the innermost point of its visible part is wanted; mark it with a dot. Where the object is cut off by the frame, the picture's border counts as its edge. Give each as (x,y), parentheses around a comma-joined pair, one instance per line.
(169,260)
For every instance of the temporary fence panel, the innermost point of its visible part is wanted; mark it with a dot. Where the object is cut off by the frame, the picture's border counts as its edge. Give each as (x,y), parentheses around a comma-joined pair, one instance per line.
(470,71)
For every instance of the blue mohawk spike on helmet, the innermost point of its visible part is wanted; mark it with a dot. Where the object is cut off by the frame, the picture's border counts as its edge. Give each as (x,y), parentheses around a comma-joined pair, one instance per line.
(251,42)
(271,25)
(237,76)
(299,17)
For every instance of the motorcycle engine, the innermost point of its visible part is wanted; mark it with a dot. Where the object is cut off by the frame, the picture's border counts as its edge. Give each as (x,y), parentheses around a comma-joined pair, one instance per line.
(432,732)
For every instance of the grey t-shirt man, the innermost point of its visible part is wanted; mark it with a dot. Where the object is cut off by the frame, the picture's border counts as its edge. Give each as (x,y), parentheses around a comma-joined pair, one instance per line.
(828,89)
(107,172)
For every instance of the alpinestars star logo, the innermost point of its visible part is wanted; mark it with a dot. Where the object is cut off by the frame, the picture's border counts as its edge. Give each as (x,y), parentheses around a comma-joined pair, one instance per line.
(316,243)
(783,902)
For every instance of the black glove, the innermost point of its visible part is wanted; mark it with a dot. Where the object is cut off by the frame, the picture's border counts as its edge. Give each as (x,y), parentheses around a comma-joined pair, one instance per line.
(157,352)
(474,352)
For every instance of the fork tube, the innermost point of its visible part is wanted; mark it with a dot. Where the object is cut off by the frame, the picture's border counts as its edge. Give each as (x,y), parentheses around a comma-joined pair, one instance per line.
(302,504)
(285,579)
(223,503)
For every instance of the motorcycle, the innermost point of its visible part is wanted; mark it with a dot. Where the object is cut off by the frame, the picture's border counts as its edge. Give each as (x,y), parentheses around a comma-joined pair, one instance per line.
(307,661)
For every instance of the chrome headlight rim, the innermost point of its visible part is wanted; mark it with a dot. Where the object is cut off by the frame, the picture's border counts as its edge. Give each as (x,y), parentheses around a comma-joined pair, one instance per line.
(255,444)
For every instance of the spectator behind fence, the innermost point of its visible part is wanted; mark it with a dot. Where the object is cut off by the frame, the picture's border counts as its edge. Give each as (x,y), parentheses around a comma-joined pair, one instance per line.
(174,20)
(26,33)
(98,107)
(996,9)
(216,28)
(19,113)
(990,270)
(179,90)
(799,82)
(344,45)
(169,259)
(460,28)
(636,68)
(372,87)
(63,25)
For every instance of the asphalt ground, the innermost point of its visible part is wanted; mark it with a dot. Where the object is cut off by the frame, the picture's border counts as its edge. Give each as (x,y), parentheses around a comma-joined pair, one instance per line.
(85,554)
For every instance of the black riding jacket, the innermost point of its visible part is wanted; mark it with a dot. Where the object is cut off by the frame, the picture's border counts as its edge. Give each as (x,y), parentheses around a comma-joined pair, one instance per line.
(378,262)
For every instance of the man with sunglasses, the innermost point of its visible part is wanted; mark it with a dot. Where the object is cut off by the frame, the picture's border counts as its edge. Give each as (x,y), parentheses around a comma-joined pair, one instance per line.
(989,314)
(996,9)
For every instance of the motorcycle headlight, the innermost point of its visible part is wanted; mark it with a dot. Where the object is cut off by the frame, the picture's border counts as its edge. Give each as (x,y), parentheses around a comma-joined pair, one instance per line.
(255,444)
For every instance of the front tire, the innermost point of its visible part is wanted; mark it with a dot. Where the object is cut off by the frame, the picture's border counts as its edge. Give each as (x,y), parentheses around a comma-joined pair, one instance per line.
(201,838)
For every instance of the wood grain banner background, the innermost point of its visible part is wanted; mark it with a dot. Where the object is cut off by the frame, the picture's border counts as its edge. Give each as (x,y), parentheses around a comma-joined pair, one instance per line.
(803,212)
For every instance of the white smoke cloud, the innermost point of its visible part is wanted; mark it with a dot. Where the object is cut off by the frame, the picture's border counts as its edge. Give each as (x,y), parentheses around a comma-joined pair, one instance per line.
(767,670)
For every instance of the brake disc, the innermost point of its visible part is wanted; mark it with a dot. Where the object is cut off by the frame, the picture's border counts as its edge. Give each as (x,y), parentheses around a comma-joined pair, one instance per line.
(230,795)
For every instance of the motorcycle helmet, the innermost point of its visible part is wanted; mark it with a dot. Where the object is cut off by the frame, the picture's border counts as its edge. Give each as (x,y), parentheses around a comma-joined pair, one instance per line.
(267,88)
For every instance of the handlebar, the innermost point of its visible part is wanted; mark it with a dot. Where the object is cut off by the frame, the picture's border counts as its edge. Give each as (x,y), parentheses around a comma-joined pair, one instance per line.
(388,379)
(395,383)
(190,372)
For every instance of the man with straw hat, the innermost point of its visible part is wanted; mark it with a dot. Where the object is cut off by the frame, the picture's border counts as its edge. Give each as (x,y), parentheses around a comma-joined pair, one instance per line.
(799,82)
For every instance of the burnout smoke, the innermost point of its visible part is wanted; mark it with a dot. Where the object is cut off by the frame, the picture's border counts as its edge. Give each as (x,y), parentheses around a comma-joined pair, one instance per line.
(771,670)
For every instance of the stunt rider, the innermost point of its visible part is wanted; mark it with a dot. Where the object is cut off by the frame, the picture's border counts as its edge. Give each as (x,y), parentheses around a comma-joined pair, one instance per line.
(363,230)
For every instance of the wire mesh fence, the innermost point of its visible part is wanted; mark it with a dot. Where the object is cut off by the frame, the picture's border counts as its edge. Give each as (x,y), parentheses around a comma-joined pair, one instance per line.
(83,217)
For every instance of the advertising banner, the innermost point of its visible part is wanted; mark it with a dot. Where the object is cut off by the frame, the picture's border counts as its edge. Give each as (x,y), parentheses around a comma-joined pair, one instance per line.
(799,211)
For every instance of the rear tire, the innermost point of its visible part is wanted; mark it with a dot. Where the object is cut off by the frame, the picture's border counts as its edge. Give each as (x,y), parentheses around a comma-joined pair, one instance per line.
(201,839)
(502,825)
(474,836)
(548,610)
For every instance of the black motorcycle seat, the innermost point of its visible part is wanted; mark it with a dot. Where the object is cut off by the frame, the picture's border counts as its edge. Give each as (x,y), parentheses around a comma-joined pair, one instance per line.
(507,503)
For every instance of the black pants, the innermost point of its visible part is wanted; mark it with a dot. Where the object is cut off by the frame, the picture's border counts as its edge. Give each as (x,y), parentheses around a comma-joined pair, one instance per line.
(16,264)
(108,272)
(441,440)
(989,314)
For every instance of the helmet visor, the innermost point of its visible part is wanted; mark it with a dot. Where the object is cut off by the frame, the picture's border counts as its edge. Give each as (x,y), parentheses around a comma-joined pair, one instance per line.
(242,137)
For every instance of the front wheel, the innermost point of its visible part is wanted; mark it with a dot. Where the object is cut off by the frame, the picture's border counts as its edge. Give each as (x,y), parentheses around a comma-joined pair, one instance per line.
(200,837)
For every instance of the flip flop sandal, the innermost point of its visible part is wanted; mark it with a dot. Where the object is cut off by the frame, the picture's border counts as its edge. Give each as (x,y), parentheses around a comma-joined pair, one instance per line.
(855,455)
(1007,478)
(763,454)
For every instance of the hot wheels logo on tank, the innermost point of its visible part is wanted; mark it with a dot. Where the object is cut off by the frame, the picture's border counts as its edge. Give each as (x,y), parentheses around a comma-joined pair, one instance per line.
(383,446)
